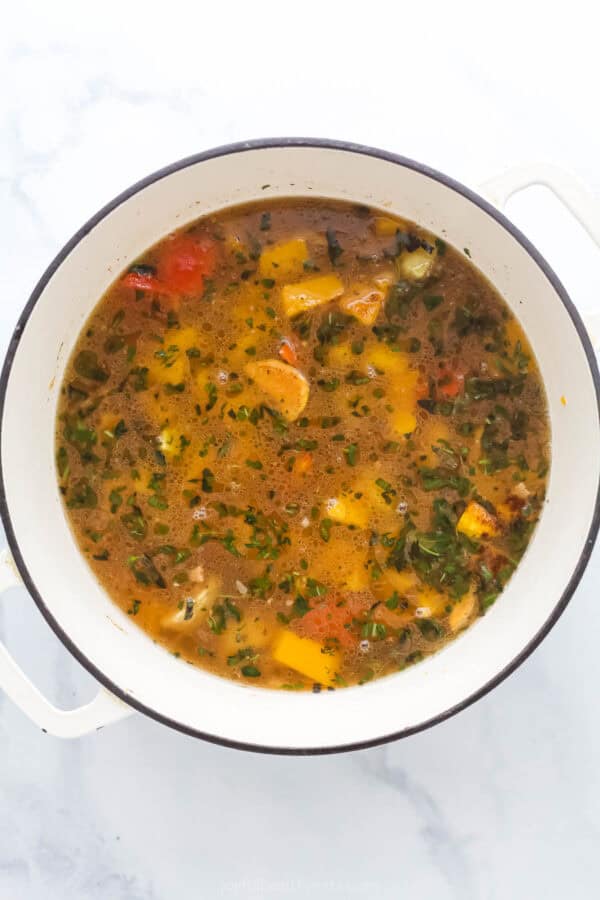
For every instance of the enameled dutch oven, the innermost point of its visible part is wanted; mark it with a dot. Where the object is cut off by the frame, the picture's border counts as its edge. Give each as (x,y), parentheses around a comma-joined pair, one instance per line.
(135,673)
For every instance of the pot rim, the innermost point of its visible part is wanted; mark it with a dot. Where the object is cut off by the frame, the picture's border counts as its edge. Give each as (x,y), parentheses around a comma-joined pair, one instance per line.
(323,144)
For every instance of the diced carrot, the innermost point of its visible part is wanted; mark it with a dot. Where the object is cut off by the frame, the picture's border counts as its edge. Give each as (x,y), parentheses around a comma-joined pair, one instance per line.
(287,352)
(186,262)
(303,463)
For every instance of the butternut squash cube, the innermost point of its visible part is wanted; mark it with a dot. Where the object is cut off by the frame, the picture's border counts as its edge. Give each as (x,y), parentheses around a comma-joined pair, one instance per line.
(385,226)
(283,259)
(431,600)
(305,656)
(385,360)
(476,522)
(306,295)
(404,421)
(286,387)
(340,356)
(363,303)
(348,510)
(168,362)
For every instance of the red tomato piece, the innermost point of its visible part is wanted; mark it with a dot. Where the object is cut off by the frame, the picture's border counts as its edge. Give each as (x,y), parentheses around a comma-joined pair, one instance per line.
(185,263)
(450,383)
(141,282)
(328,620)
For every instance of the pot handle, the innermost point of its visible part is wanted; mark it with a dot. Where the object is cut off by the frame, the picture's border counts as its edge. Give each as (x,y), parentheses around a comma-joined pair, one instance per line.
(104,709)
(567,187)
(570,190)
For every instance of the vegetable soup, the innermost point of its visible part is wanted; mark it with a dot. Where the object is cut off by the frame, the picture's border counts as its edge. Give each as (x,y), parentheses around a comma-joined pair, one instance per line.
(303,443)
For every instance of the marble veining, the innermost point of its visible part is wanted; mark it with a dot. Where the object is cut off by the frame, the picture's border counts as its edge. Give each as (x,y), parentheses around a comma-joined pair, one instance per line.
(503,801)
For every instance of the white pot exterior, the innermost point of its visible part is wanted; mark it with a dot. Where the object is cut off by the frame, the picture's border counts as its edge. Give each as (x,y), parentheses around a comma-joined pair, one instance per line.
(107,641)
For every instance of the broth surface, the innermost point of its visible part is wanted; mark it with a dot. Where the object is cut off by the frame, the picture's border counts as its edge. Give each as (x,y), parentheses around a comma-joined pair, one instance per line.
(303,443)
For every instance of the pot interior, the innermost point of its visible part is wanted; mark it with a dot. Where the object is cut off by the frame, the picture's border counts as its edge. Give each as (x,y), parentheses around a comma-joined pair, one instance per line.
(105,639)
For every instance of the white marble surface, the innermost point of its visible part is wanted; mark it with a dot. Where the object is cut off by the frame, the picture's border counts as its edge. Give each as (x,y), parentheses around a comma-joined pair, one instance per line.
(503,800)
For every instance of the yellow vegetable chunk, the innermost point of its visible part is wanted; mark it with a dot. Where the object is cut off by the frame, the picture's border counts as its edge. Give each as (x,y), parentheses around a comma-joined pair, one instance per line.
(169,363)
(359,505)
(405,582)
(462,612)
(348,511)
(287,387)
(256,633)
(340,356)
(476,522)
(385,360)
(306,295)
(357,578)
(283,259)
(305,656)
(430,601)
(385,227)
(363,303)
(416,266)
(184,338)
(404,421)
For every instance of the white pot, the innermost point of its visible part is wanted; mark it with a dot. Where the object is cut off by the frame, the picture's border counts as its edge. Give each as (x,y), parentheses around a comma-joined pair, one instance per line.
(106,641)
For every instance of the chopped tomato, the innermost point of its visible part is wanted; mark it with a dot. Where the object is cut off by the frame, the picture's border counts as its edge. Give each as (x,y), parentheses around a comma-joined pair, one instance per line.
(185,263)
(287,352)
(331,621)
(450,383)
(142,282)
(303,463)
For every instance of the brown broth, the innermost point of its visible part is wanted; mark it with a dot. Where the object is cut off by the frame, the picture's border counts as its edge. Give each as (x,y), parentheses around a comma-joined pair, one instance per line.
(286,541)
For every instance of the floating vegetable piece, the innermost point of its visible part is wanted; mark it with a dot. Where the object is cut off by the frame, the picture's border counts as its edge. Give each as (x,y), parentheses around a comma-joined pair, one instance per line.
(306,656)
(185,261)
(363,303)
(462,612)
(283,259)
(287,352)
(286,387)
(404,421)
(386,227)
(347,510)
(416,266)
(476,522)
(306,295)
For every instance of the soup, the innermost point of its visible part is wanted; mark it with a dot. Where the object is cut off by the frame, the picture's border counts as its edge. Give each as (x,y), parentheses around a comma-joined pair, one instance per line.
(302,443)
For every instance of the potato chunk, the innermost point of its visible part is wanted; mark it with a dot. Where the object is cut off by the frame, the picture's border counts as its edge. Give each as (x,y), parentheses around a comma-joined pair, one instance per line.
(306,295)
(416,266)
(305,656)
(476,522)
(286,386)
